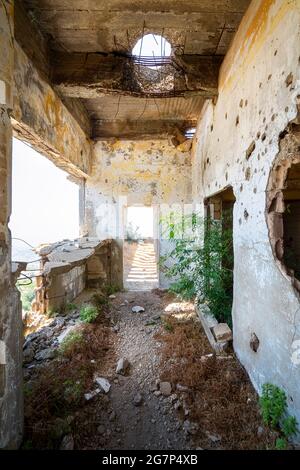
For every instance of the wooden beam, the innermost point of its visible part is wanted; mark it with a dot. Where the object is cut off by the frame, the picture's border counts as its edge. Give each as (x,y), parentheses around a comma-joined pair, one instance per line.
(92,75)
(131,130)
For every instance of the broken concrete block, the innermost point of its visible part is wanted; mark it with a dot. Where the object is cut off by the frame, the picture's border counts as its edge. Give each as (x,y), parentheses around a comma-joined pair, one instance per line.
(122,366)
(47,353)
(137,309)
(88,396)
(222,332)
(103,383)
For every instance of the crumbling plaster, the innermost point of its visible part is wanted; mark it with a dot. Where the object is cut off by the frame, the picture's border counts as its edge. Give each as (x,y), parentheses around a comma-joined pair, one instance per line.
(236,143)
(11,389)
(42,119)
(126,173)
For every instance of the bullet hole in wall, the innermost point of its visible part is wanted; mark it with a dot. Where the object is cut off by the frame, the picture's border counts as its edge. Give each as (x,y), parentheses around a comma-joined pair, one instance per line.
(289,79)
(254,342)
(250,150)
(248,174)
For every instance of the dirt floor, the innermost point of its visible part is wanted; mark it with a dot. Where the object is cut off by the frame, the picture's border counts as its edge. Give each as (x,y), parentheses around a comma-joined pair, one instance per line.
(207,402)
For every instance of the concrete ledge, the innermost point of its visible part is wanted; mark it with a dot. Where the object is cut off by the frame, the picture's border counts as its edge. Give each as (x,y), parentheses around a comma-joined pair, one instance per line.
(209,323)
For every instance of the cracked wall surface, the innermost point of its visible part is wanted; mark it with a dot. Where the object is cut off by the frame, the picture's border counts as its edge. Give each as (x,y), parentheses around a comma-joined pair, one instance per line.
(237,142)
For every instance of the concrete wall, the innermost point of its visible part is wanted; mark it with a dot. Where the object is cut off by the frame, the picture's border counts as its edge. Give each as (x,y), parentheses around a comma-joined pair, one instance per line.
(68,267)
(41,118)
(236,144)
(11,389)
(125,173)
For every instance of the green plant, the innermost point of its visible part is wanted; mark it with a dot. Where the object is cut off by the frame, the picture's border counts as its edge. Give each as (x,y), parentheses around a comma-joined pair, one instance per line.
(111,289)
(73,391)
(99,300)
(289,426)
(70,341)
(201,269)
(168,326)
(70,307)
(273,404)
(88,313)
(281,443)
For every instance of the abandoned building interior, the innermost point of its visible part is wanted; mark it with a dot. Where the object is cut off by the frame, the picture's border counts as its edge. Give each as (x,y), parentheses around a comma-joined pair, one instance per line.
(206,122)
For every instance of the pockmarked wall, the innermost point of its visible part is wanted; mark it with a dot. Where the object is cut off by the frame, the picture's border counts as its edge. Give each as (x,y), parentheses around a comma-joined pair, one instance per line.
(126,173)
(236,144)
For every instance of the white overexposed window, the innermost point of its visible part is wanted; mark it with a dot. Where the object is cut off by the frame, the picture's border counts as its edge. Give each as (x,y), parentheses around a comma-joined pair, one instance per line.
(152,46)
(45,204)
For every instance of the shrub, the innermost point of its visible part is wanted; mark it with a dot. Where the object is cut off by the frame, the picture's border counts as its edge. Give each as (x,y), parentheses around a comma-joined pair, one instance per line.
(70,342)
(88,314)
(273,404)
(201,269)
(273,407)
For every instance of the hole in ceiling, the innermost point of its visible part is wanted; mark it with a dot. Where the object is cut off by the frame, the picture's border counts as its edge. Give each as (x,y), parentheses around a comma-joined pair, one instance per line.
(190,132)
(152,50)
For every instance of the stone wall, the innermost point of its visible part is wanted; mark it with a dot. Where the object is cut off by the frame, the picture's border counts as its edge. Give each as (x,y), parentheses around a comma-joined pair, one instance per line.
(68,267)
(126,173)
(236,144)
(11,389)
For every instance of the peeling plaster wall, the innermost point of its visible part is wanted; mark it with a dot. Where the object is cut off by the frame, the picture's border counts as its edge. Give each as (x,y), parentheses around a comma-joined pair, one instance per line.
(11,340)
(126,173)
(43,120)
(237,141)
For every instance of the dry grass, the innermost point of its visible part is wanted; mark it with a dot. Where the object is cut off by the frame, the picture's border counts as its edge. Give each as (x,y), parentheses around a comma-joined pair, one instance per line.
(58,389)
(221,398)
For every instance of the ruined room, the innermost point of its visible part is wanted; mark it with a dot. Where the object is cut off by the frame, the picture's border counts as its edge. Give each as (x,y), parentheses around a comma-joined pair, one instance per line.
(149,225)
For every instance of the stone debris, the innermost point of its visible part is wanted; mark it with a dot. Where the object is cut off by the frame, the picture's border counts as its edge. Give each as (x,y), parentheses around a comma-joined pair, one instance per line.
(213,437)
(112,296)
(103,383)
(182,388)
(122,366)
(165,388)
(137,309)
(138,399)
(67,443)
(47,353)
(190,427)
(88,396)
(222,332)
(28,354)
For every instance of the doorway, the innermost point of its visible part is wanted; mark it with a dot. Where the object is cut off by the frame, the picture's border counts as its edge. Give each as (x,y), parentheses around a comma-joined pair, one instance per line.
(140,249)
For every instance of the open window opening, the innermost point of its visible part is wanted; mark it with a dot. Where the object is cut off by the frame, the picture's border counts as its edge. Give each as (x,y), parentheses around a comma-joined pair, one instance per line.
(284,218)
(140,249)
(190,132)
(218,241)
(45,209)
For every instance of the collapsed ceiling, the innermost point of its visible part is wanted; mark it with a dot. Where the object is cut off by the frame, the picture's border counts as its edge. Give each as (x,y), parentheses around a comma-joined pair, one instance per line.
(90,43)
